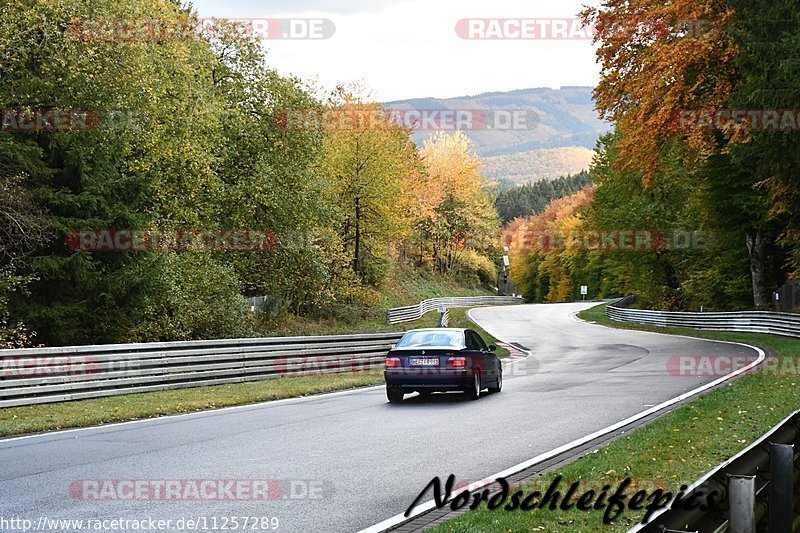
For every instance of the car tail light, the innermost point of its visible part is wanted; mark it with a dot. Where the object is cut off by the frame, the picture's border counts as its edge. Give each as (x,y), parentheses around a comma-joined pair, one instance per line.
(392,362)
(457,362)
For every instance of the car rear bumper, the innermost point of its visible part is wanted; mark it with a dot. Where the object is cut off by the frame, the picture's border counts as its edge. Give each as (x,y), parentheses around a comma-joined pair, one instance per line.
(439,380)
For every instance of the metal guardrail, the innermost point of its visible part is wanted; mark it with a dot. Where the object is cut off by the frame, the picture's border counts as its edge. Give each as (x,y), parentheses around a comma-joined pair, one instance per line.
(45,375)
(444,320)
(415,312)
(787,324)
(756,489)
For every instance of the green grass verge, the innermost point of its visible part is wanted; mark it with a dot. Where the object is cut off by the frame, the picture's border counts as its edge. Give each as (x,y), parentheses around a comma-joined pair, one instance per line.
(674,450)
(82,413)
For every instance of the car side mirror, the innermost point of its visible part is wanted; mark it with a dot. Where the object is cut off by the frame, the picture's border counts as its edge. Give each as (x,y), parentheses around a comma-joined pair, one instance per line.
(492,348)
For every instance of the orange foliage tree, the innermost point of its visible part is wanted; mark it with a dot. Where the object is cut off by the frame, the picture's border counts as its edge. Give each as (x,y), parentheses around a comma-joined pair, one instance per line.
(544,256)
(658,61)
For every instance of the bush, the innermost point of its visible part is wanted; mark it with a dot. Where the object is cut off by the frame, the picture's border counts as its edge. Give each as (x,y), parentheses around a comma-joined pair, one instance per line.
(474,270)
(189,296)
(13,336)
(13,333)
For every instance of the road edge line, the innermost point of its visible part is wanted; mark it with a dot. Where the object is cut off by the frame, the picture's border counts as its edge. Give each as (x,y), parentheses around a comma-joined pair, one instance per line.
(203,412)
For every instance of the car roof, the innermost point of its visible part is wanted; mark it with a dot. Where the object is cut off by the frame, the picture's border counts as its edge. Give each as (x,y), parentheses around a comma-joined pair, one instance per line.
(451,330)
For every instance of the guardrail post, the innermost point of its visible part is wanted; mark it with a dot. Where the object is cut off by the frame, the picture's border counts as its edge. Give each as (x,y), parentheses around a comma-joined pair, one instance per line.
(414,312)
(742,504)
(781,467)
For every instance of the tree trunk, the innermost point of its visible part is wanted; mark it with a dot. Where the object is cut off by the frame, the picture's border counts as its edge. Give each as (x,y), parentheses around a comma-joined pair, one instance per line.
(755,247)
(357,245)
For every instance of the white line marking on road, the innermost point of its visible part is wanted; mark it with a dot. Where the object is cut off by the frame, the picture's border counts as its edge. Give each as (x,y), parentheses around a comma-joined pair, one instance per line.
(168,418)
(427,506)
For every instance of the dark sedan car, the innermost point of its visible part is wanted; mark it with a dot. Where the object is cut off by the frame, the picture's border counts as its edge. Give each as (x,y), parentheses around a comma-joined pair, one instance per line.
(439,360)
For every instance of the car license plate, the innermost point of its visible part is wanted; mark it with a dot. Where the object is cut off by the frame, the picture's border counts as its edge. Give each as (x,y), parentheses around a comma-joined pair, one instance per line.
(424,361)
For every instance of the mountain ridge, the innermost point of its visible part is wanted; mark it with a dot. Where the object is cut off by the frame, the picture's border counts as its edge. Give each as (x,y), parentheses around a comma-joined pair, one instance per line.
(563,134)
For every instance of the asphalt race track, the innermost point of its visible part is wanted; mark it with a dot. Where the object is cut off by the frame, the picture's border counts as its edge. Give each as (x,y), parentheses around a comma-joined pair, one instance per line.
(361,459)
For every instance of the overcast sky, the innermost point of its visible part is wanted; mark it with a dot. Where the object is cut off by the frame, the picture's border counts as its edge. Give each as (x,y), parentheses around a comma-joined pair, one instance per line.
(410,48)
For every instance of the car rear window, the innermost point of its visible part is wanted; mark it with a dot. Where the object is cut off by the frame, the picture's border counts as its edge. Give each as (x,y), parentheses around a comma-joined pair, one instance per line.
(415,339)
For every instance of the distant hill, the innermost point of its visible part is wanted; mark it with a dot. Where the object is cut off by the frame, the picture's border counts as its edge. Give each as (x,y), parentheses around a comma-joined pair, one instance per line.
(562,119)
(537,165)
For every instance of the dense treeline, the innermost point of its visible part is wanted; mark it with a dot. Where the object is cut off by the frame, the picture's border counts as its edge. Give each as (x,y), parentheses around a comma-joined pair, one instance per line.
(533,198)
(191,134)
(696,165)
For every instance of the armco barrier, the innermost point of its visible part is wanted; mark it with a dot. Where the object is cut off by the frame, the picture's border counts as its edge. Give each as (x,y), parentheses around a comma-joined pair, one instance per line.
(415,312)
(755,490)
(44,375)
(787,324)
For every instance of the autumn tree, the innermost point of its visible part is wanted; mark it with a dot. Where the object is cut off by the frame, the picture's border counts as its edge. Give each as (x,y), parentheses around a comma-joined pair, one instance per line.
(531,199)
(546,259)
(366,159)
(664,65)
(768,33)
(456,207)
(182,140)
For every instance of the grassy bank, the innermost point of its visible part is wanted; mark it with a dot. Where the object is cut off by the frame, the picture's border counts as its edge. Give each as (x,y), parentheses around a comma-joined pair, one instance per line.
(408,287)
(459,319)
(673,450)
(82,413)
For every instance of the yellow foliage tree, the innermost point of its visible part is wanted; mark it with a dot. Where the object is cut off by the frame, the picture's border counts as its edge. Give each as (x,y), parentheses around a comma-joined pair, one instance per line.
(368,160)
(453,206)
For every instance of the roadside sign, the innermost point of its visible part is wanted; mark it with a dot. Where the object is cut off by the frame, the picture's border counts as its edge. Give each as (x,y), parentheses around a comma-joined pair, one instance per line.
(584,290)
(506,261)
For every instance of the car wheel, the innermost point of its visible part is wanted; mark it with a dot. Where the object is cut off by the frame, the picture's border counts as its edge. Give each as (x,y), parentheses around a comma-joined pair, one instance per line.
(394,395)
(474,391)
(499,385)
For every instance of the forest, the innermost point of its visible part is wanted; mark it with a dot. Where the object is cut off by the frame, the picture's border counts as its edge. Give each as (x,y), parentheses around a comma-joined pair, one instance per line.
(532,199)
(187,135)
(703,146)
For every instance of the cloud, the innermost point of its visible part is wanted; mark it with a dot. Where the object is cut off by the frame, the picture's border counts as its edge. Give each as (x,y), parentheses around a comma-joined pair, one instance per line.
(409,48)
(260,8)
